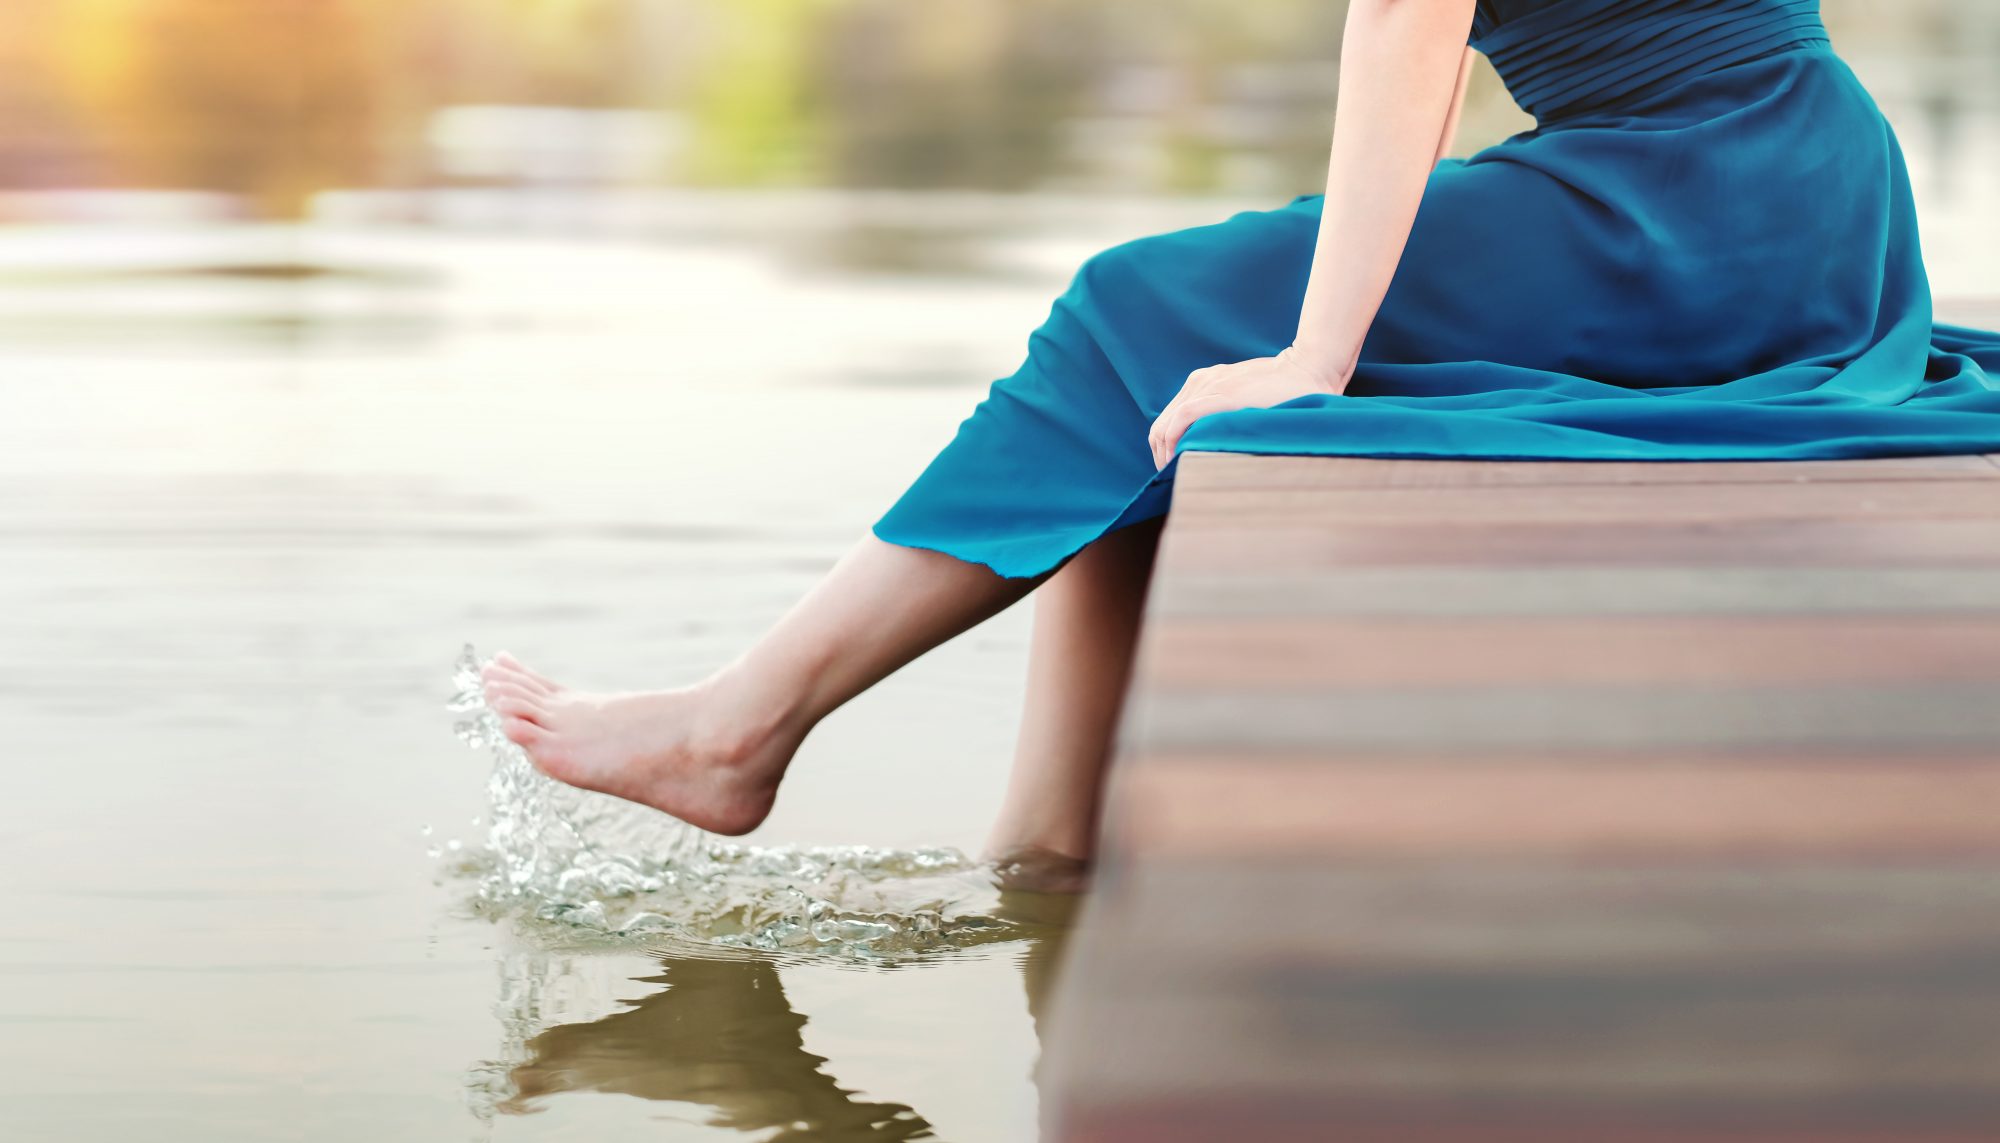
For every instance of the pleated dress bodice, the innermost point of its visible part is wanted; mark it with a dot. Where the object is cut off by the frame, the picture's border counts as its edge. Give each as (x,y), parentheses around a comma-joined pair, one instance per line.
(1561,58)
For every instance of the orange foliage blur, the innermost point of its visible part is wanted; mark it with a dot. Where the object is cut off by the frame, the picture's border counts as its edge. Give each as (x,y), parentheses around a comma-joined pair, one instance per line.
(264,98)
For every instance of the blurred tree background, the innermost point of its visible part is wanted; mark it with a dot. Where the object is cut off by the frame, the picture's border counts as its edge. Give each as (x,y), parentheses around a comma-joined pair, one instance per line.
(273,101)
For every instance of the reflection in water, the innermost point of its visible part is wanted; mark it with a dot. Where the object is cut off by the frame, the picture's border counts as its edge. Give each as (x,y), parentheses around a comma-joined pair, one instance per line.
(720,1033)
(723,1035)
(570,866)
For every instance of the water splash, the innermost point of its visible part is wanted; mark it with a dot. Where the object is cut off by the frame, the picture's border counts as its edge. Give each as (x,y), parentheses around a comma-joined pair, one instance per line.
(595,867)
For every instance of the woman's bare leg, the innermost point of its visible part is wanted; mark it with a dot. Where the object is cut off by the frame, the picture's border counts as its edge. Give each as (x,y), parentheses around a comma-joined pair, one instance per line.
(712,754)
(1085,631)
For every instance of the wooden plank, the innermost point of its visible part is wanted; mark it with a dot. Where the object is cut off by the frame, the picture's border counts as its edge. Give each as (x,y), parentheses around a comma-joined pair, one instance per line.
(1458,801)
(1398,809)
(1277,1118)
(1235,471)
(1396,652)
(1510,717)
(1715,1002)
(1658,504)
(1219,546)
(1523,916)
(1441,592)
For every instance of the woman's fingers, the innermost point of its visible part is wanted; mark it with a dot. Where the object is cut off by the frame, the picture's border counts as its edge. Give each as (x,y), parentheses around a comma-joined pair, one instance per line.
(1200,384)
(1157,435)
(1173,424)
(1197,383)
(1221,388)
(1154,430)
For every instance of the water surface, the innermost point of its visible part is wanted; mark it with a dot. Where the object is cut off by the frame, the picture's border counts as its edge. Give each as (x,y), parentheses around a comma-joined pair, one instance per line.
(250,517)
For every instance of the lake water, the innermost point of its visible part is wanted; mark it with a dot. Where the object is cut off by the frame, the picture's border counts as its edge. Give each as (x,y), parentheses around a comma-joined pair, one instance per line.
(258,486)
(250,517)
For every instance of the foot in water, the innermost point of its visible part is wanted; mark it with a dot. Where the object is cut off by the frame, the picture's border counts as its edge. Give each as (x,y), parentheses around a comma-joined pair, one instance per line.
(1033,869)
(688,752)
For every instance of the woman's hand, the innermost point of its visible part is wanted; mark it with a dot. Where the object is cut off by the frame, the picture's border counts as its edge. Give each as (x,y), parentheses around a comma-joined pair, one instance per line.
(1254,384)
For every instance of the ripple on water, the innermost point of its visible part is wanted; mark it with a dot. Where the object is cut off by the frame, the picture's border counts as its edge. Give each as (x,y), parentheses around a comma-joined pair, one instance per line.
(583,867)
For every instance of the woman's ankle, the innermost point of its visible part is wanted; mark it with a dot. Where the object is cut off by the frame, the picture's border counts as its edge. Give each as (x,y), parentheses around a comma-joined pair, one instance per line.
(1033,869)
(744,718)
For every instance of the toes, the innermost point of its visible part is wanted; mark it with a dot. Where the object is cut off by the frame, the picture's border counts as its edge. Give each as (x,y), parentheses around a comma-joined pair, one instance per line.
(534,684)
(523,733)
(515,706)
(517,666)
(501,673)
(510,689)
(500,668)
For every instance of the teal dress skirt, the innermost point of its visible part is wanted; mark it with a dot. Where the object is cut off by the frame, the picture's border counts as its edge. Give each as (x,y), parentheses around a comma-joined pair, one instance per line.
(1706,249)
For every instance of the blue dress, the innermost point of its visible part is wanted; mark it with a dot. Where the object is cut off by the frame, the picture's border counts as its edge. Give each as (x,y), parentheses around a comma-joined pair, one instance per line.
(1706,249)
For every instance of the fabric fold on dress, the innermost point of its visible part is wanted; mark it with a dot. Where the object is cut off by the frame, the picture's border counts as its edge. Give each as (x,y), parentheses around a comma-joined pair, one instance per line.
(1706,249)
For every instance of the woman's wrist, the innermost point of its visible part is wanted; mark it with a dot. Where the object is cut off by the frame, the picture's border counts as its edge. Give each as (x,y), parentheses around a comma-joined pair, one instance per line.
(1329,371)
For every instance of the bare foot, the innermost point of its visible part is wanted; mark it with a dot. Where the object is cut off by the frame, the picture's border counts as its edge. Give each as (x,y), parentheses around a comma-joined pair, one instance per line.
(681,751)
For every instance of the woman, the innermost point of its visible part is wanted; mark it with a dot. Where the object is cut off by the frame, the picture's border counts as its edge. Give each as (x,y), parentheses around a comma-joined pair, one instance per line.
(1706,249)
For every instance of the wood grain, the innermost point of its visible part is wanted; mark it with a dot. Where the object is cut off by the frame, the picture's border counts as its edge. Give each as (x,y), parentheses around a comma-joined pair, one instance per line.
(1202,473)
(1278,1118)
(1648,504)
(1510,716)
(1574,591)
(1830,542)
(1693,1002)
(1393,652)
(1537,916)
(1748,811)
(1537,802)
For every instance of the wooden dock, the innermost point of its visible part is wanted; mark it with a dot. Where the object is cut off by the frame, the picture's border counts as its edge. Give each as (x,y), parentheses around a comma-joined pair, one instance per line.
(1540,803)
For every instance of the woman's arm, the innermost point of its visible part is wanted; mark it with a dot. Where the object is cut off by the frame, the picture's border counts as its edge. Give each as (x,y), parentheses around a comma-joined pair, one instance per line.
(1450,138)
(1398,73)
(1400,63)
